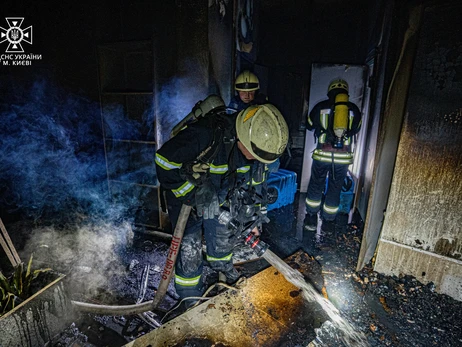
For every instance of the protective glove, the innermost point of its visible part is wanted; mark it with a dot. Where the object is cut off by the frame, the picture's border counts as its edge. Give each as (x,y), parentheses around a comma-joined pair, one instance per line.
(196,173)
(207,205)
(199,169)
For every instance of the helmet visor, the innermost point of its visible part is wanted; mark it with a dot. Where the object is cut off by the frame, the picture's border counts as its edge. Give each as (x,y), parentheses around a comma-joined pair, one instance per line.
(247,86)
(267,156)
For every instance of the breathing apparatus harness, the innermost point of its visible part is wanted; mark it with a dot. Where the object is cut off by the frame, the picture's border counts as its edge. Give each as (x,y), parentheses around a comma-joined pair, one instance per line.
(196,171)
(338,128)
(242,213)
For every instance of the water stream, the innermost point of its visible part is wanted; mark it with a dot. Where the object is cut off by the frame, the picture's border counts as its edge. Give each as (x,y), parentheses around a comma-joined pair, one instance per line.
(349,335)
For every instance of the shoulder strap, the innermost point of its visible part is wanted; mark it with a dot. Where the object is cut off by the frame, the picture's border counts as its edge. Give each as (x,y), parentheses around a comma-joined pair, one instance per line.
(221,134)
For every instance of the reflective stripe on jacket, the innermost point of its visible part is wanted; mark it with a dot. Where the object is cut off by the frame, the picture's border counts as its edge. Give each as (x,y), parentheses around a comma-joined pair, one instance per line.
(186,146)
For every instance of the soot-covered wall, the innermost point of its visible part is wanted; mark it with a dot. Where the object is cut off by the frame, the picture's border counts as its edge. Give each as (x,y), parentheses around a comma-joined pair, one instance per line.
(421,234)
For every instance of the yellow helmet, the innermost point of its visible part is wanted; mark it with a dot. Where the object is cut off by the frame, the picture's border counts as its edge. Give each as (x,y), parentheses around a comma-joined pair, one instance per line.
(263,131)
(246,81)
(338,83)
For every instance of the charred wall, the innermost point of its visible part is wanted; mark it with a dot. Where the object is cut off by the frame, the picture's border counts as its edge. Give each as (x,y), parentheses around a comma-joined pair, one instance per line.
(422,232)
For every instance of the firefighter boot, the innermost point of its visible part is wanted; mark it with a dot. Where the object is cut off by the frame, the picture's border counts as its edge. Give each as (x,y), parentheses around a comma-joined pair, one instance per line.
(189,297)
(231,274)
(311,222)
(328,233)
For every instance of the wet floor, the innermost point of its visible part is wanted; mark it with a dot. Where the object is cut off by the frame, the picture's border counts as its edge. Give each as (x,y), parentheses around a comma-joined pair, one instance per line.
(389,311)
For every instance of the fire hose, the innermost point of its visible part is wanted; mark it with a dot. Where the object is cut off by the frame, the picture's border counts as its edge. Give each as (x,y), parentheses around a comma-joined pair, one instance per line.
(242,219)
(121,310)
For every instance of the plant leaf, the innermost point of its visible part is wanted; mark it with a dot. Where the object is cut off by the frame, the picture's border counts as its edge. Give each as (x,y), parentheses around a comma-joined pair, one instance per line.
(17,279)
(4,283)
(42,270)
(28,277)
(39,271)
(29,266)
(18,287)
(9,303)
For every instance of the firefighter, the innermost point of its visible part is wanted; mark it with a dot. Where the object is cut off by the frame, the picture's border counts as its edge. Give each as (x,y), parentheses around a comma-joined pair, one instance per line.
(237,149)
(335,122)
(247,87)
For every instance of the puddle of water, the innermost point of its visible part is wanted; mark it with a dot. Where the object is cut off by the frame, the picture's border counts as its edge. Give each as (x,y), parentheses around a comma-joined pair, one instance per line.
(349,335)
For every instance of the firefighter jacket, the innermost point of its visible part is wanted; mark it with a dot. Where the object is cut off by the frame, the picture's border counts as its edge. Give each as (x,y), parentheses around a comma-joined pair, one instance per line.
(228,168)
(320,120)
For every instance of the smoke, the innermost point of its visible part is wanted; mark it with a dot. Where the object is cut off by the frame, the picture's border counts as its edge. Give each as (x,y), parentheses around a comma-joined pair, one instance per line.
(176,99)
(52,160)
(53,173)
(53,170)
(87,251)
(51,156)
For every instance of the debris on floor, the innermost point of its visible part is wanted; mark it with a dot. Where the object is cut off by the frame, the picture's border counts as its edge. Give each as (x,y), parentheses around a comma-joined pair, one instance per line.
(389,310)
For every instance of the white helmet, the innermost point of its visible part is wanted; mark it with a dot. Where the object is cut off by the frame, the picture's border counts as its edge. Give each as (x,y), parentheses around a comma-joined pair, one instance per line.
(201,109)
(263,131)
(210,103)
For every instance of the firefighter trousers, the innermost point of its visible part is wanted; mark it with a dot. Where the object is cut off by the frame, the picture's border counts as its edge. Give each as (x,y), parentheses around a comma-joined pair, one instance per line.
(317,187)
(219,242)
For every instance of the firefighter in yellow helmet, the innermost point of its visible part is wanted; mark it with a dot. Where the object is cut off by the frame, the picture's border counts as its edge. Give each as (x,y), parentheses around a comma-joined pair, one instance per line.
(335,122)
(247,87)
(203,166)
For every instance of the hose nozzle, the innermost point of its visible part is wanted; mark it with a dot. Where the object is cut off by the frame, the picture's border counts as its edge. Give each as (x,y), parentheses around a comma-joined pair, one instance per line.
(256,244)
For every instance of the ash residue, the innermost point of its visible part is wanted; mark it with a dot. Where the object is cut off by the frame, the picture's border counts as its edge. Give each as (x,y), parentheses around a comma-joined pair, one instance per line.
(390,310)
(406,312)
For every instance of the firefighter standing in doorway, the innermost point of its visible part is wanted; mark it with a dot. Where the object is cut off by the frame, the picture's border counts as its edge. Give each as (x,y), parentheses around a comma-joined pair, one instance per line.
(200,167)
(335,122)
